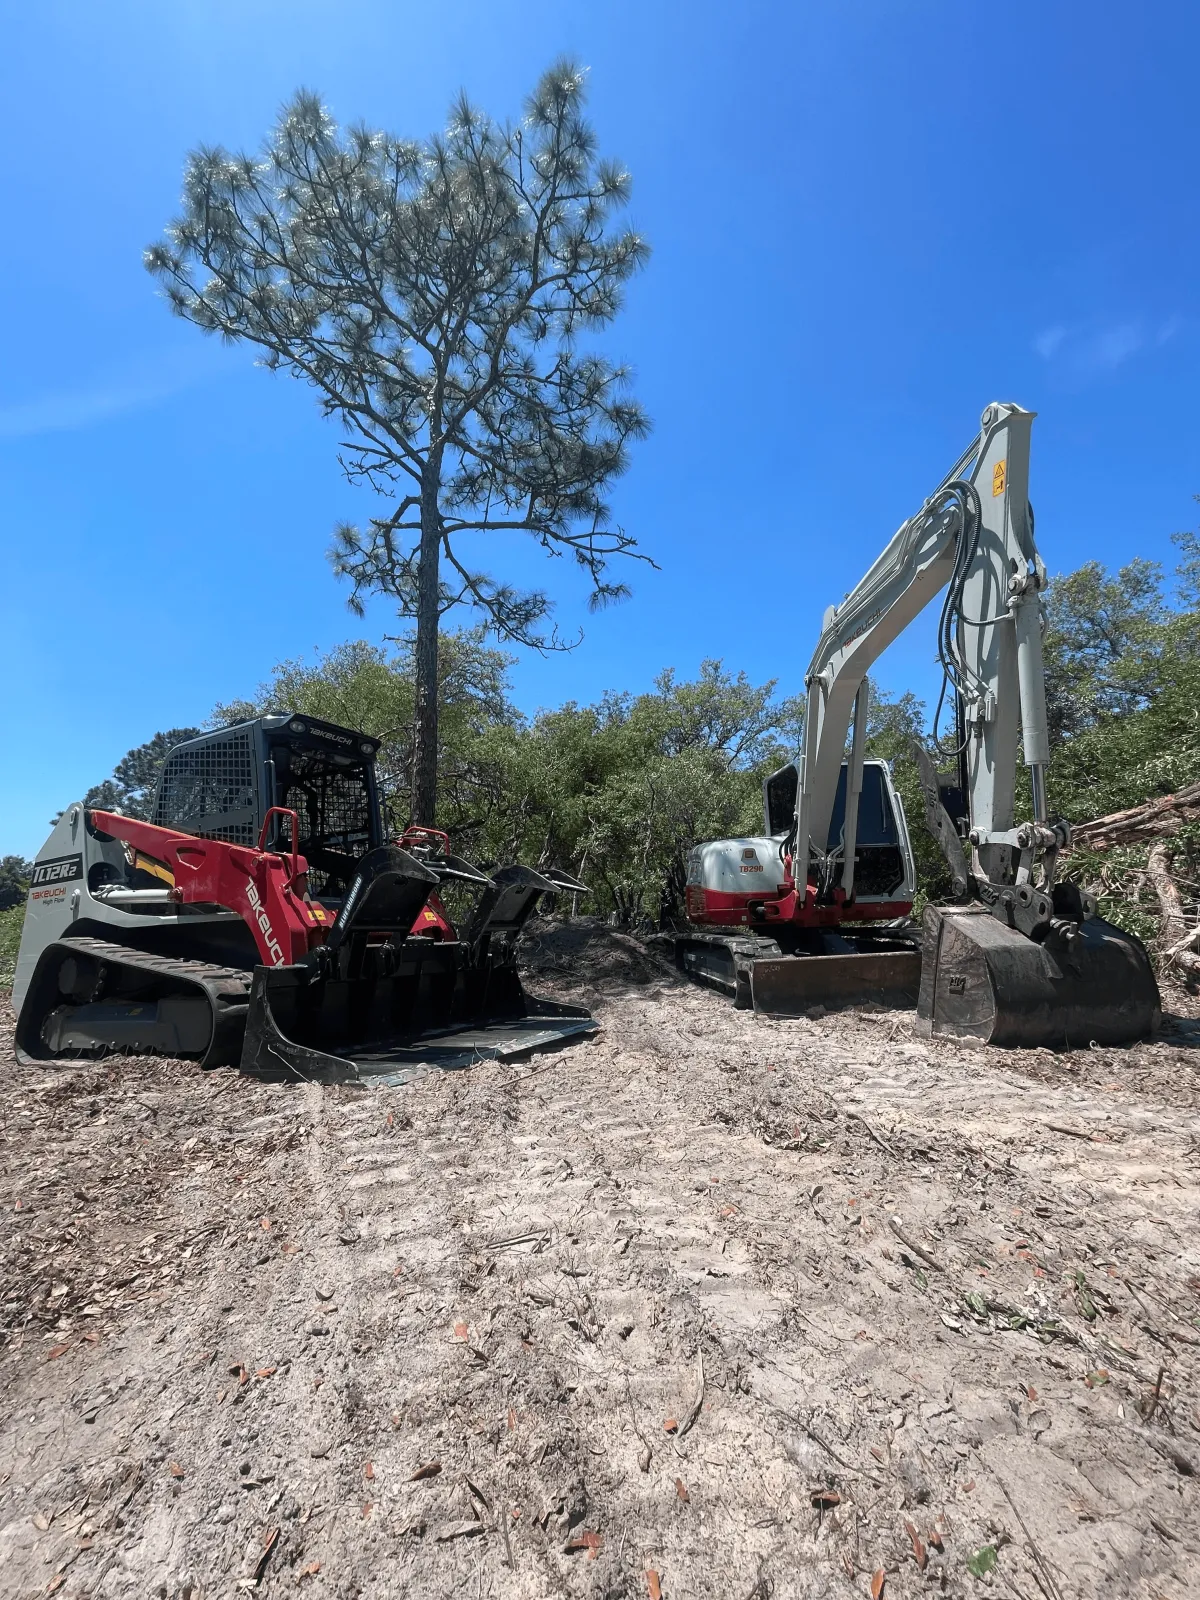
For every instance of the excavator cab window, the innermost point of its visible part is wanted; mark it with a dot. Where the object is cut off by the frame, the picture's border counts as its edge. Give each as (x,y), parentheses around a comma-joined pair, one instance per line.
(876,819)
(779,799)
(878,861)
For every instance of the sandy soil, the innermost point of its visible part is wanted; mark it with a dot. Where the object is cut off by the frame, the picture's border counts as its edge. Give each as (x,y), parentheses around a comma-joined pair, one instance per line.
(712,1306)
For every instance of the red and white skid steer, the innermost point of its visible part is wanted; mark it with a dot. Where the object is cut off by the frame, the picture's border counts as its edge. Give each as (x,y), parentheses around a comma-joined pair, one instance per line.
(263,919)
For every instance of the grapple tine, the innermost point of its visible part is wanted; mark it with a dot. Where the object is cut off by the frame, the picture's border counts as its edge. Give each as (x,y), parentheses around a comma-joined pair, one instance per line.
(508,902)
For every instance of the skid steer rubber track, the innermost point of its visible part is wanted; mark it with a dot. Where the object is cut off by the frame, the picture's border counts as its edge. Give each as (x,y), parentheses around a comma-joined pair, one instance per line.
(118,1000)
(114,1000)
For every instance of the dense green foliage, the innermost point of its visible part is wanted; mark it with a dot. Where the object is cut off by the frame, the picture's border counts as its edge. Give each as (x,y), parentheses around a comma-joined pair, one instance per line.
(373,689)
(14,881)
(1123,669)
(1123,666)
(11,922)
(617,791)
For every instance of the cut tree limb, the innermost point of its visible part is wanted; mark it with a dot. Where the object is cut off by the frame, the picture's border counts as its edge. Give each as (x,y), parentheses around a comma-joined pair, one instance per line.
(1176,935)
(1150,820)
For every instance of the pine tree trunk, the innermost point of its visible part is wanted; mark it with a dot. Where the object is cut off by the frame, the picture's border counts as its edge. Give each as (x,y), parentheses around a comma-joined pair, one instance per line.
(425,731)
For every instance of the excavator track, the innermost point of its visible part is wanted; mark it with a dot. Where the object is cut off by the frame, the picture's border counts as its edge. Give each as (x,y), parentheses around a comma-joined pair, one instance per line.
(93,998)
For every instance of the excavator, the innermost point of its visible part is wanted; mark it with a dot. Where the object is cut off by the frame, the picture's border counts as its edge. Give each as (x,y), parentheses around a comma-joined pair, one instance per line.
(816,910)
(264,918)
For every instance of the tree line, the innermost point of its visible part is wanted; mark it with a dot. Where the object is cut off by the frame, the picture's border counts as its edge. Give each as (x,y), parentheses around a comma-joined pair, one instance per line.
(618,790)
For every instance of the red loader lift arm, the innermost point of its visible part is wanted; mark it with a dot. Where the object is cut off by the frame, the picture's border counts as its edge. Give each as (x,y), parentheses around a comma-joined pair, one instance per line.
(268,891)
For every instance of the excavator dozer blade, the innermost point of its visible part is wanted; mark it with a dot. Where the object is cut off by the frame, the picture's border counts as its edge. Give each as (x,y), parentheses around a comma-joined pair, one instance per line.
(986,982)
(790,986)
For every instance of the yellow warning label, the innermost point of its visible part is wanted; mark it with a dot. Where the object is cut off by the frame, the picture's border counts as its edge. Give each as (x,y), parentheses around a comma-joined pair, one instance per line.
(998,477)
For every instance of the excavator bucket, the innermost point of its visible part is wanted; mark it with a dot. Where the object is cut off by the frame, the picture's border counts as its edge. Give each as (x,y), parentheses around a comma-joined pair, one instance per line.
(384,1010)
(986,982)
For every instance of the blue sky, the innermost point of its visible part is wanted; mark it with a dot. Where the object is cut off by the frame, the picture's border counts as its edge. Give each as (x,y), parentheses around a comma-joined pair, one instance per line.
(868,220)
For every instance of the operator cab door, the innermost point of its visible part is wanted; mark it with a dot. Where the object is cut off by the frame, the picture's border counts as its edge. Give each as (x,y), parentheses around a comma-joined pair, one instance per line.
(331,787)
(878,853)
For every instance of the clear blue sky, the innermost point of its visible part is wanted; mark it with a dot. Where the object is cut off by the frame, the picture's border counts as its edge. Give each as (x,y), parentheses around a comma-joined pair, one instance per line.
(868,220)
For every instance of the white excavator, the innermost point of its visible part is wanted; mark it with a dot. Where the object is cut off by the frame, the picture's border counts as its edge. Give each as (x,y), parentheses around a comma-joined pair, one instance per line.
(816,910)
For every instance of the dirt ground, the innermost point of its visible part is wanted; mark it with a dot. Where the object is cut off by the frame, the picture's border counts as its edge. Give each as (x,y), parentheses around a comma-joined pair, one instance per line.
(712,1306)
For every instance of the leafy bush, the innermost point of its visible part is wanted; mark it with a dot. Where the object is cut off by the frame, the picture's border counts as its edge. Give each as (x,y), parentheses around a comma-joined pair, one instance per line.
(11,922)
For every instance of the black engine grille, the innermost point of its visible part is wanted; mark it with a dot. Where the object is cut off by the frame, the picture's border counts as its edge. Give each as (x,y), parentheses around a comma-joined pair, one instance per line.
(878,869)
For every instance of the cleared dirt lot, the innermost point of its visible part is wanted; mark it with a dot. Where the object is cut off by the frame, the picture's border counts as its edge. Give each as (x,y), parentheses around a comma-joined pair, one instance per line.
(712,1306)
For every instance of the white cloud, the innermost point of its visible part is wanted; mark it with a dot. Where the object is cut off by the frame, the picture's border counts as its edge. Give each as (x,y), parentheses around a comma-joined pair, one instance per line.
(1085,350)
(1109,347)
(133,388)
(1048,341)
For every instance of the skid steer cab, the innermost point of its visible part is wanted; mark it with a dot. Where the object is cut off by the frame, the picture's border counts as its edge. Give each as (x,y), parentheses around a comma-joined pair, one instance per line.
(263,917)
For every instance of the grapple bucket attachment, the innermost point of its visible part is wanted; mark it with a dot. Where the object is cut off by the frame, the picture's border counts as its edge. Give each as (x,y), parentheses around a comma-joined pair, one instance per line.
(388,1031)
(383,1007)
(987,982)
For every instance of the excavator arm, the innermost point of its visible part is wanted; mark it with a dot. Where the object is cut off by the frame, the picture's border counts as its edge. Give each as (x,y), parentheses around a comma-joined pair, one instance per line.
(1022,959)
(974,539)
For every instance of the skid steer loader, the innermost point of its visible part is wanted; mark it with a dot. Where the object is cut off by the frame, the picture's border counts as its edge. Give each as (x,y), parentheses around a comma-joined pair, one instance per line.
(264,919)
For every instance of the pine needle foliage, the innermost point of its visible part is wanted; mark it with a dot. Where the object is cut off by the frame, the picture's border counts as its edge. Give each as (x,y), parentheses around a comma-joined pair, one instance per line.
(434,294)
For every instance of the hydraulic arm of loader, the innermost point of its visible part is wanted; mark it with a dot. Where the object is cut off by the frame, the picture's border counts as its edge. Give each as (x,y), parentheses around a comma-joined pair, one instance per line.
(266,890)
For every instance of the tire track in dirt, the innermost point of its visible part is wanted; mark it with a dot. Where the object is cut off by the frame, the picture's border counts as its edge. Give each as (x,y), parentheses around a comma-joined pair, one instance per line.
(531,1266)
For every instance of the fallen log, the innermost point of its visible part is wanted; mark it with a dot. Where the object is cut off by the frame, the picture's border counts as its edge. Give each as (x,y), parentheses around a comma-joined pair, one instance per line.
(1153,819)
(1177,936)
